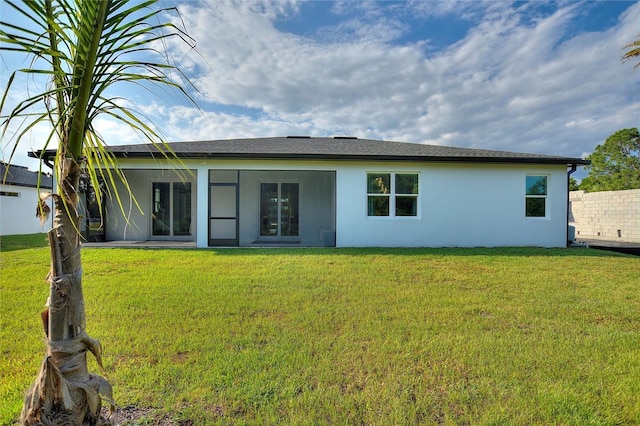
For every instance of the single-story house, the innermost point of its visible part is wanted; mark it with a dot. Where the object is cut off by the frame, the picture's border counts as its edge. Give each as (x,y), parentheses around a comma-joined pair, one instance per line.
(339,191)
(19,194)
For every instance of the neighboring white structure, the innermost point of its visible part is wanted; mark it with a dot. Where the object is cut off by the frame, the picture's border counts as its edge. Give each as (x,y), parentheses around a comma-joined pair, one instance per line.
(19,194)
(344,192)
(612,216)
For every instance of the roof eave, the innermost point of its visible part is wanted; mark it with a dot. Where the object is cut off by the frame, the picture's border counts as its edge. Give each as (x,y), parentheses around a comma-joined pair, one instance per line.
(49,154)
(358,157)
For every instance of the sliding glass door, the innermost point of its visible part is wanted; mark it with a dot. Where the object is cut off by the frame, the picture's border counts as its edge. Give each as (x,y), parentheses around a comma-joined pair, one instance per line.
(171,209)
(279,209)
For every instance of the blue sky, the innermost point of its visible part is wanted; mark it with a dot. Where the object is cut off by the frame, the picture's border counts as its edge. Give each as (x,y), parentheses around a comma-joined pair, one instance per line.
(538,76)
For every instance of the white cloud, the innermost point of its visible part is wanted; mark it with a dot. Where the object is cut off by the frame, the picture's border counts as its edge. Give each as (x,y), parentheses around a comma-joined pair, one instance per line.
(508,84)
(465,9)
(518,80)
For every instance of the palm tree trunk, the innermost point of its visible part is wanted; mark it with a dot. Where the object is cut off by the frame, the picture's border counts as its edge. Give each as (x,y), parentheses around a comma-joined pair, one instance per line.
(66,306)
(65,393)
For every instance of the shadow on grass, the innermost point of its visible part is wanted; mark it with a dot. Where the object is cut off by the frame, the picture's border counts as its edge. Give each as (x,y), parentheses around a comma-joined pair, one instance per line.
(440,251)
(399,251)
(21,242)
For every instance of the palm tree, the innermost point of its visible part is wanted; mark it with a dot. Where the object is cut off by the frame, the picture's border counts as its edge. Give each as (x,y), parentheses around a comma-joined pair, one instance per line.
(83,48)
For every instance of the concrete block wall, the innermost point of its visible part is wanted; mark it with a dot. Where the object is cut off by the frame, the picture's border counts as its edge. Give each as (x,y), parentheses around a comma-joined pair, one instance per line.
(607,215)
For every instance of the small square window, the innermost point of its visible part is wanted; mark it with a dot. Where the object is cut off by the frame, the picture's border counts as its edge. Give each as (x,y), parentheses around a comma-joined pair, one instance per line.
(536,185)
(536,207)
(378,183)
(406,184)
(378,206)
(406,206)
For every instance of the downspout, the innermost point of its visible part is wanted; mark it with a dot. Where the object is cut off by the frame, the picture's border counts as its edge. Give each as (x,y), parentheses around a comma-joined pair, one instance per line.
(573,168)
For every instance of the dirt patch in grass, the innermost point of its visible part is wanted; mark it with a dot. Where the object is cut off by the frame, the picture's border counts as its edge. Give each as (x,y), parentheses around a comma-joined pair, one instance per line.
(132,415)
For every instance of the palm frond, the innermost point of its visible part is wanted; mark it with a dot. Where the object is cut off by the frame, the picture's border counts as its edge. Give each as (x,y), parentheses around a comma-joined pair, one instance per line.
(102,165)
(142,127)
(633,52)
(90,48)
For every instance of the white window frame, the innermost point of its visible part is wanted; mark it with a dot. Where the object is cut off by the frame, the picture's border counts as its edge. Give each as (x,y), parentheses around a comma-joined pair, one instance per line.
(536,196)
(393,195)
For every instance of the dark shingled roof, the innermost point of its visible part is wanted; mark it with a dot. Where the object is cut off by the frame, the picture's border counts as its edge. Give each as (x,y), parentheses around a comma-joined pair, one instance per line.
(335,148)
(21,176)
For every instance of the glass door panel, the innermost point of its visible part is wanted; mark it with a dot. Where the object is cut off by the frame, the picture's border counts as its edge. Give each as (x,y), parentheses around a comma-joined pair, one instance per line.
(269,209)
(289,210)
(161,208)
(182,208)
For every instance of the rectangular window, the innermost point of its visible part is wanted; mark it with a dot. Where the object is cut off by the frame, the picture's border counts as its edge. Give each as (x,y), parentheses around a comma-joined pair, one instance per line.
(392,194)
(536,196)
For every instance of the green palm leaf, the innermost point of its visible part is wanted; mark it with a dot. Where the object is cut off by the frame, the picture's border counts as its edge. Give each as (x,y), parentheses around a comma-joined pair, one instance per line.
(633,52)
(85,60)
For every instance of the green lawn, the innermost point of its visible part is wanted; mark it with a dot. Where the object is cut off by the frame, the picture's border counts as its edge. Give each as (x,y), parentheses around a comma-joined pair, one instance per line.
(346,336)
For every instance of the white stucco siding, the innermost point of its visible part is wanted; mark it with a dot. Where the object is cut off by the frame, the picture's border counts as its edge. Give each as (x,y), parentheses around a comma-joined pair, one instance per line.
(459,205)
(18,211)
